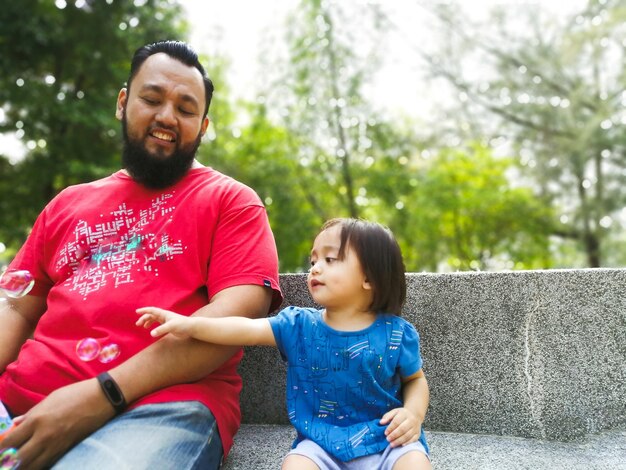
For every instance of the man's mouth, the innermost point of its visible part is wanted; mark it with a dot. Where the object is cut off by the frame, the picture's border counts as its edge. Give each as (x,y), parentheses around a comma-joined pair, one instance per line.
(162,135)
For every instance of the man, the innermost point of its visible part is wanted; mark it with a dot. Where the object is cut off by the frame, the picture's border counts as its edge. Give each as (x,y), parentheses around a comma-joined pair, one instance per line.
(95,391)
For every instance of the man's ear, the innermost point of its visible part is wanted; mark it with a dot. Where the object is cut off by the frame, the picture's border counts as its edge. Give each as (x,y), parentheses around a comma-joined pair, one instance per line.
(122,99)
(205,125)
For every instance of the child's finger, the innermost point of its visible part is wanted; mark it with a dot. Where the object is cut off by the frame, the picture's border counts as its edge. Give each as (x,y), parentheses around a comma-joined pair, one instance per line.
(415,438)
(154,311)
(145,320)
(159,331)
(404,439)
(142,310)
(157,314)
(388,417)
(392,430)
(396,428)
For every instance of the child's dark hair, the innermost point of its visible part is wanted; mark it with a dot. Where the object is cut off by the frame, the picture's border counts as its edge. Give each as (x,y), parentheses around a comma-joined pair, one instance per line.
(381,260)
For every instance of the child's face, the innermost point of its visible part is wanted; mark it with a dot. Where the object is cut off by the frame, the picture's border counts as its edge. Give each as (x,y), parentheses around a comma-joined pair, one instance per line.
(335,283)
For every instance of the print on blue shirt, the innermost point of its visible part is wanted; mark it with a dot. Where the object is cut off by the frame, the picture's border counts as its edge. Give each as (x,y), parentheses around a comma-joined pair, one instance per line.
(339,383)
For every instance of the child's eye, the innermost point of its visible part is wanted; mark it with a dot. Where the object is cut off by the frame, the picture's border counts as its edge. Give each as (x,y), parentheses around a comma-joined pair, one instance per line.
(312,263)
(329,260)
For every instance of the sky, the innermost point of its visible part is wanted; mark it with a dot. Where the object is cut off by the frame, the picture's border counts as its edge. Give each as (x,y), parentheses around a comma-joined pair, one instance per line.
(234,27)
(237,26)
(241,24)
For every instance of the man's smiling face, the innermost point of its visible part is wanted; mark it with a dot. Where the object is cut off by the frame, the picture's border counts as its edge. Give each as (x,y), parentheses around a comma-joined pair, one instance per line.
(162,119)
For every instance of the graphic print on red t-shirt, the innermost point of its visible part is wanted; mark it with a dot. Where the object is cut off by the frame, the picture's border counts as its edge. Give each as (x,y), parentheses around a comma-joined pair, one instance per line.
(114,250)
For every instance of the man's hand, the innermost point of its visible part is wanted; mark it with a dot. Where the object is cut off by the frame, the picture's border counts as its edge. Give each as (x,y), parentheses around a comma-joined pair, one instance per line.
(62,419)
(73,412)
(404,426)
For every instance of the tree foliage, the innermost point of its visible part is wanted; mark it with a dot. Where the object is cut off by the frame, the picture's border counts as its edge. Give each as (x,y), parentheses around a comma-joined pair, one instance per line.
(555,90)
(313,149)
(474,216)
(451,213)
(321,95)
(314,146)
(61,71)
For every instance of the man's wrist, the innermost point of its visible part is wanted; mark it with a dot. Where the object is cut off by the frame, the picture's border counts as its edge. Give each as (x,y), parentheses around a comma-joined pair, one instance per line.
(112,392)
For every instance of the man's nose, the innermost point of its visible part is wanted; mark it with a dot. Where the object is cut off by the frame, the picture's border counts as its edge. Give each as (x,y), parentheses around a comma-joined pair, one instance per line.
(166,115)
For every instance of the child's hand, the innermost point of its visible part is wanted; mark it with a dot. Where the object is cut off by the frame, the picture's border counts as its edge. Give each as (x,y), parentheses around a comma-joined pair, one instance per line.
(174,323)
(404,426)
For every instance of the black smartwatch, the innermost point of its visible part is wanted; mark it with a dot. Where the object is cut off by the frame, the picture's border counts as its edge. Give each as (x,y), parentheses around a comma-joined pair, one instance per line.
(112,392)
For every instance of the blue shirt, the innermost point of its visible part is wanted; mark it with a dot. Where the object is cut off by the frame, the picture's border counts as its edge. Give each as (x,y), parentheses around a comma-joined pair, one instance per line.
(341,383)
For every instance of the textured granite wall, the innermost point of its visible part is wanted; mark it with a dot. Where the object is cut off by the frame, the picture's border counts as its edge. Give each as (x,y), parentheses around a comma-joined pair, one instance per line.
(531,353)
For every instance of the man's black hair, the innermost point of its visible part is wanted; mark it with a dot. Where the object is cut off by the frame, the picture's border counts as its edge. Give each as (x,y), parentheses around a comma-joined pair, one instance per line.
(178,50)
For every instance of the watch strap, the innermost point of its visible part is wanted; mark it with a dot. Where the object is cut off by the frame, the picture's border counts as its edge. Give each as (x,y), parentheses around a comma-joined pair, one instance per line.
(112,392)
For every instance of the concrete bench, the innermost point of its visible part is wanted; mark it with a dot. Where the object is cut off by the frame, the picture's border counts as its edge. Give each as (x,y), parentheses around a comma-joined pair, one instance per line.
(526,370)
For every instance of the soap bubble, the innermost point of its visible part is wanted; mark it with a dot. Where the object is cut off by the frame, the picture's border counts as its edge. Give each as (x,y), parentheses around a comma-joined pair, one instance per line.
(109,353)
(16,283)
(5,423)
(9,459)
(88,349)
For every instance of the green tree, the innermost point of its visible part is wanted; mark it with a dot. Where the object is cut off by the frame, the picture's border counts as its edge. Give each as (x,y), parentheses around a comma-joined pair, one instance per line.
(304,144)
(320,95)
(260,153)
(319,153)
(62,67)
(454,208)
(555,90)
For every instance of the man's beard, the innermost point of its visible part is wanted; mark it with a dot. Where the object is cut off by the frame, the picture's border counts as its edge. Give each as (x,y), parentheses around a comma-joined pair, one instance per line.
(154,172)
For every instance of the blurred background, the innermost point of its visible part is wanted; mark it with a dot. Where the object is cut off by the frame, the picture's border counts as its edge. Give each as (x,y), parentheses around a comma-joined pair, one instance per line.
(487,135)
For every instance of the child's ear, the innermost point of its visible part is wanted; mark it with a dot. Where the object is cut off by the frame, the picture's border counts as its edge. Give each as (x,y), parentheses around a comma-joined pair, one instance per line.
(367,285)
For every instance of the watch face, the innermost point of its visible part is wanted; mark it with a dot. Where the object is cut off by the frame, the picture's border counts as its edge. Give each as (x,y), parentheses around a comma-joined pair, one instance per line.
(112,392)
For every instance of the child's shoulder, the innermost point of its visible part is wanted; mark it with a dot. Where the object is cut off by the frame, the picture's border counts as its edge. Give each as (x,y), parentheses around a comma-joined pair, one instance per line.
(296,310)
(295,313)
(395,320)
(399,325)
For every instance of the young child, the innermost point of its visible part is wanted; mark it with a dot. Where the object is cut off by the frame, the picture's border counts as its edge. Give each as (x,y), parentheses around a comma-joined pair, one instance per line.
(356,394)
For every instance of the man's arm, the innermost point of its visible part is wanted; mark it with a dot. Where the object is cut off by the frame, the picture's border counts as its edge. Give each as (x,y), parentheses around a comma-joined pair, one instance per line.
(173,360)
(71,413)
(18,318)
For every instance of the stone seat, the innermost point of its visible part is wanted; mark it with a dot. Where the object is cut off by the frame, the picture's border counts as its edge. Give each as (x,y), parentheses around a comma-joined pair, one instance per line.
(526,369)
(262,447)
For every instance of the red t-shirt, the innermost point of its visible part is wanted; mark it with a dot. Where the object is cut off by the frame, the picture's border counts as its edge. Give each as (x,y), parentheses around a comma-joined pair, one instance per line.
(100,250)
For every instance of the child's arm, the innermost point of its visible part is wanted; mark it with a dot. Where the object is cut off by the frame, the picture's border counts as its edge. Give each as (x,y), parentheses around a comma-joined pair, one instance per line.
(405,424)
(231,331)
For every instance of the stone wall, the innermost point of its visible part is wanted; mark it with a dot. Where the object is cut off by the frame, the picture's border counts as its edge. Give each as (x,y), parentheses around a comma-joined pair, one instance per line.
(538,354)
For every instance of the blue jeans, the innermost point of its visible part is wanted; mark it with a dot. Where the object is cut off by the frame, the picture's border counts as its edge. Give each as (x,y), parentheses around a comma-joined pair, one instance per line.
(179,435)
